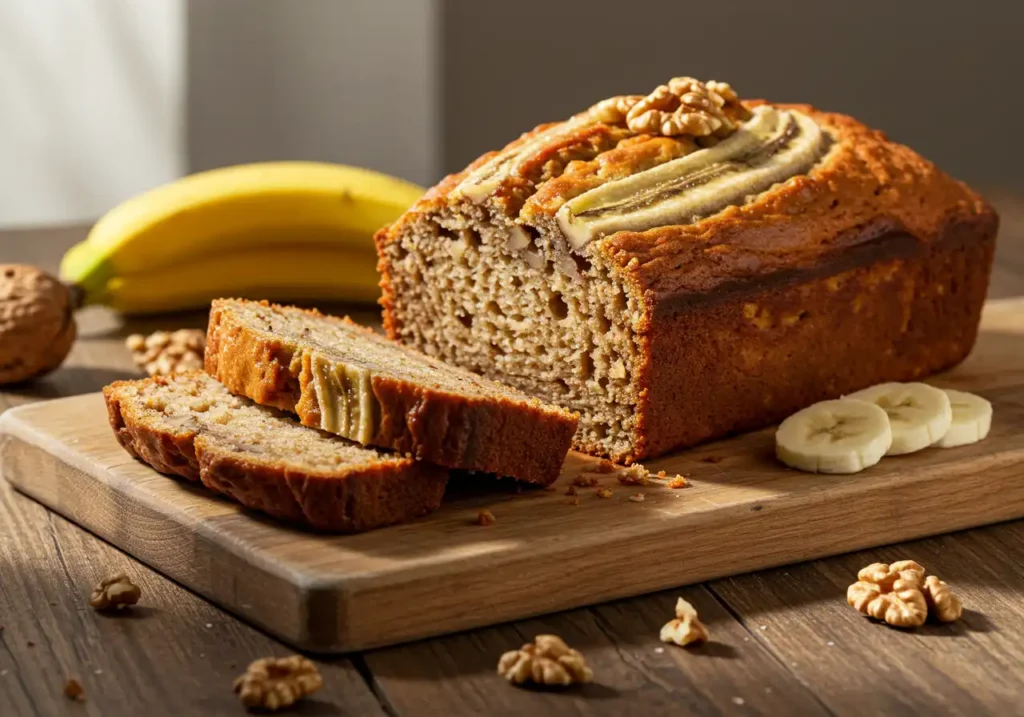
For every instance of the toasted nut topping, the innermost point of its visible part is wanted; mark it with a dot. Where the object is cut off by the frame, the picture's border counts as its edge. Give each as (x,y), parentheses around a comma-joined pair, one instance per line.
(545,661)
(116,592)
(942,603)
(485,517)
(163,353)
(686,629)
(891,593)
(73,690)
(684,106)
(273,683)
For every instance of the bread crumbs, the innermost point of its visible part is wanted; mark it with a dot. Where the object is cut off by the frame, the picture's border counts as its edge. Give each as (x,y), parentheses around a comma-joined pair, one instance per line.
(636,474)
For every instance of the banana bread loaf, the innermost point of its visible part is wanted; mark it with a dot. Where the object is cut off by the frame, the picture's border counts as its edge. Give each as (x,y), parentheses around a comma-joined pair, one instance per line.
(189,425)
(683,265)
(348,380)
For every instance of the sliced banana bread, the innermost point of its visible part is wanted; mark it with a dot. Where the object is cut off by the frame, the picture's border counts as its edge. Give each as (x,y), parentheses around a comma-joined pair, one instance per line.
(346,379)
(190,425)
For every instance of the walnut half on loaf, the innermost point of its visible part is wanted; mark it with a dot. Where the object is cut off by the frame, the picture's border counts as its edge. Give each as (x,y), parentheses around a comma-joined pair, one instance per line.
(683,265)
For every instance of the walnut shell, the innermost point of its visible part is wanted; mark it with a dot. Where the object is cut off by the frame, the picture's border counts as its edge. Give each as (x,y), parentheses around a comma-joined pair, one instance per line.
(37,325)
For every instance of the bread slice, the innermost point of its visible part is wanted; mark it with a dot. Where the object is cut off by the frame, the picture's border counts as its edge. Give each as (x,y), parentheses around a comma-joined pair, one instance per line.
(348,380)
(190,425)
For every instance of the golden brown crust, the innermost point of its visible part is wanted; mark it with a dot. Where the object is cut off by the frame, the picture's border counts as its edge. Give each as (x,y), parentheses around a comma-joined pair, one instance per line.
(522,439)
(345,500)
(753,358)
(866,186)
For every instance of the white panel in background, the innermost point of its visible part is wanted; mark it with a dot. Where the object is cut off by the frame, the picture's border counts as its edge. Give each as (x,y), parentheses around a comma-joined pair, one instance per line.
(91,105)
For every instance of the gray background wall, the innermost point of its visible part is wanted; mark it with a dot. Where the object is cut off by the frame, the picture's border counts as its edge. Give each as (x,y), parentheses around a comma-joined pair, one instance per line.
(943,75)
(371,81)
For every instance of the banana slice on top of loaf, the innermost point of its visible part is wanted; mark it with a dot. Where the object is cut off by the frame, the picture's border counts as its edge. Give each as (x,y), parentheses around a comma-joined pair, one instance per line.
(346,379)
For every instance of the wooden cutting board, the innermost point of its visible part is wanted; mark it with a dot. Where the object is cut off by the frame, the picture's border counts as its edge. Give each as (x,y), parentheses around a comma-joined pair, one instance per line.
(544,554)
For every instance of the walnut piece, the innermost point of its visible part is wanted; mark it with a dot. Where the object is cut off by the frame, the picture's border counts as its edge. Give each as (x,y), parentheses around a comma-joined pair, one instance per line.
(37,323)
(677,482)
(891,593)
(545,661)
(273,683)
(942,603)
(485,517)
(585,480)
(686,629)
(163,353)
(73,690)
(116,592)
(604,493)
(683,107)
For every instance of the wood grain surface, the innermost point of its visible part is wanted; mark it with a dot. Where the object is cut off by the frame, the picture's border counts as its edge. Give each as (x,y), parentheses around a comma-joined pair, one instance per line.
(344,593)
(770,651)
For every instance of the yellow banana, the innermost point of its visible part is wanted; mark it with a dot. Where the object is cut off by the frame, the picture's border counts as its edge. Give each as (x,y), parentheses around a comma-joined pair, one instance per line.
(277,274)
(237,209)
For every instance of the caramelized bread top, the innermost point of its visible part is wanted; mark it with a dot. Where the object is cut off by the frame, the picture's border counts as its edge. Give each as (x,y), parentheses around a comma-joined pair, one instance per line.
(864,192)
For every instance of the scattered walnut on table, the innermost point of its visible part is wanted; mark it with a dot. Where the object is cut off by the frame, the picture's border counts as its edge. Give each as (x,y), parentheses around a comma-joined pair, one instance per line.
(73,690)
(273,683)
(678,482)
(942,603)
(163,353)
(585,480)
(485,517)
(891,593)
(604,493)
(545,661)
(116,592)
(686,628)
(37,323)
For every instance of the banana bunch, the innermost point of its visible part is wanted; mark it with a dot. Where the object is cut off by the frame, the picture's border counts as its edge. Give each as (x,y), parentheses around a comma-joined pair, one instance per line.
(284,231)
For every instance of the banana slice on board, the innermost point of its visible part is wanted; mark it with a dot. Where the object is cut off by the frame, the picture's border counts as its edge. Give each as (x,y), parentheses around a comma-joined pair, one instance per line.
(844,436)
(920,414)
(972,419)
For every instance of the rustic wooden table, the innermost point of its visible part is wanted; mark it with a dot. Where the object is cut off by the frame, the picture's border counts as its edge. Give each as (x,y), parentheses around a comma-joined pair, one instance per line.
(784,640)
